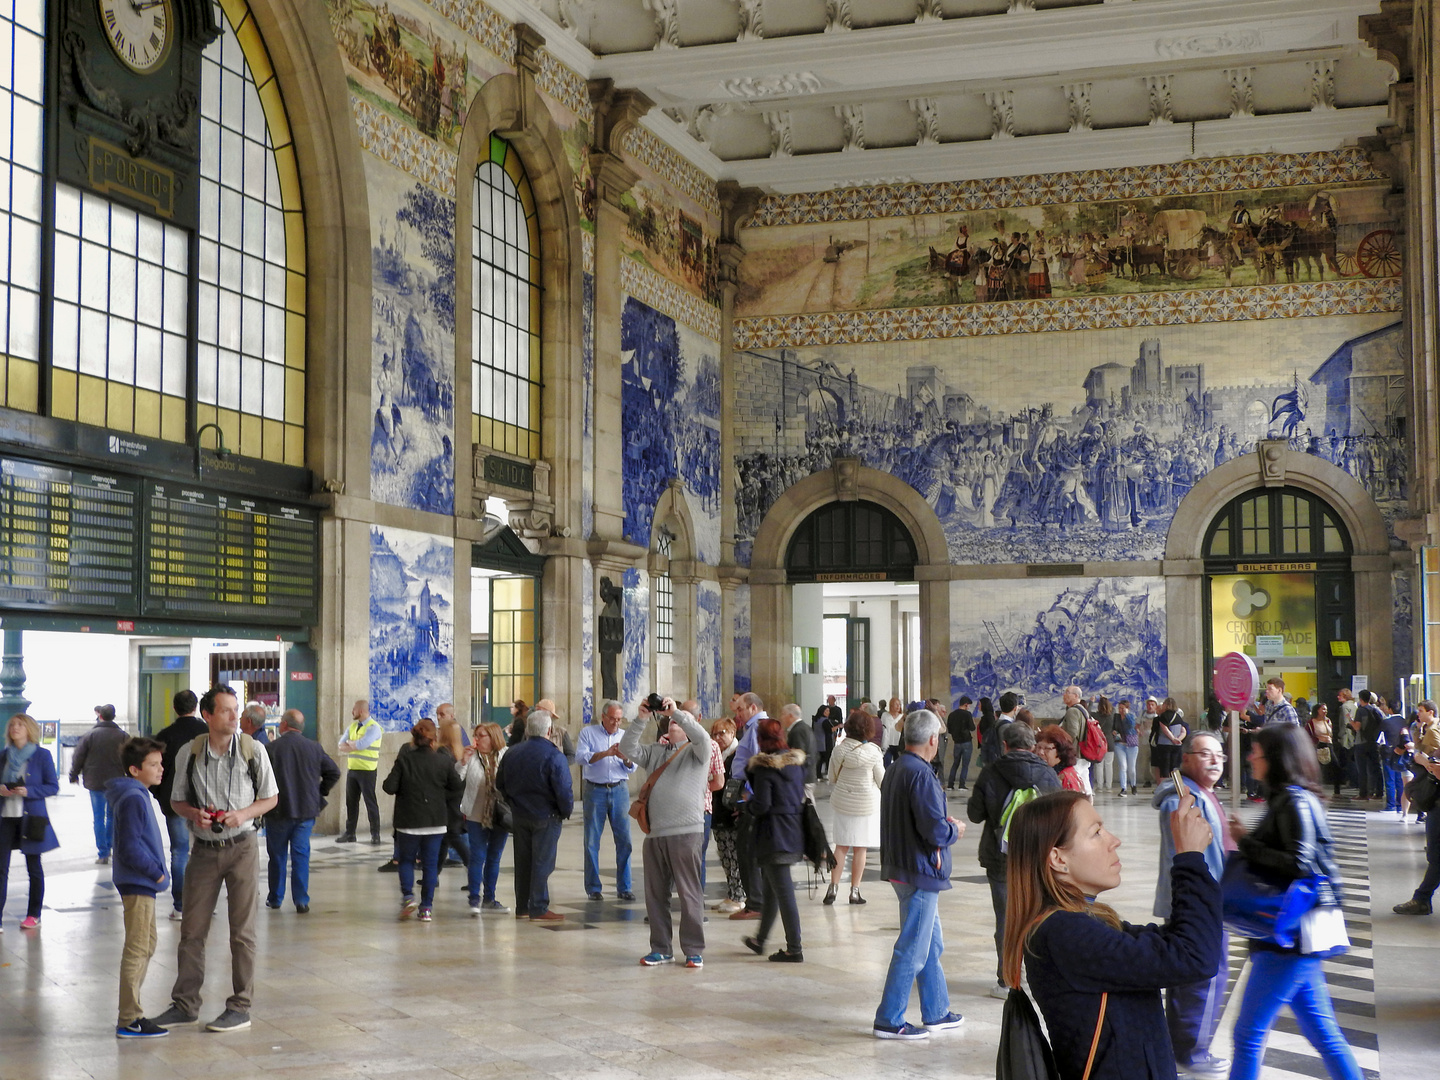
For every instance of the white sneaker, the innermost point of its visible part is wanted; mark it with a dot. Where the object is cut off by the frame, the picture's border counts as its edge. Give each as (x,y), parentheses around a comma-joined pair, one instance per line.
(729,907)
(1211,1068)
(1000,990)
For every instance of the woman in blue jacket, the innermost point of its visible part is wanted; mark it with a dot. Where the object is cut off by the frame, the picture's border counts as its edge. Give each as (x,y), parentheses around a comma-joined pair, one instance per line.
(27,779)
(1081,957)
(1292,840)
(777,780)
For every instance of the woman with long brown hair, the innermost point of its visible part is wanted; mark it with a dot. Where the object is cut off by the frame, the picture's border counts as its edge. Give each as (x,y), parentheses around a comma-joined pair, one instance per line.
(480,761)
(1096,978)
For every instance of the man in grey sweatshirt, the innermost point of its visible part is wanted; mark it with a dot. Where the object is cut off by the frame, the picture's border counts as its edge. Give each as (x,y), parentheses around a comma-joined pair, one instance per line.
(676,811)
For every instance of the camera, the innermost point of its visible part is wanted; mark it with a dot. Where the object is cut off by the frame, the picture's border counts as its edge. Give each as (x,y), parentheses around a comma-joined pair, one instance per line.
(655,703)
(215,825)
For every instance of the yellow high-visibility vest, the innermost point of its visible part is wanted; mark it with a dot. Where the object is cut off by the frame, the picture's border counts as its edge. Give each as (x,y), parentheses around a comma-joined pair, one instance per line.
(362,760)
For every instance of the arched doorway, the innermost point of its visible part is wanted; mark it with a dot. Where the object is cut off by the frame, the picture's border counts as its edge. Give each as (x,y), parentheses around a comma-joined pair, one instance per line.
(1275,467)
(1277,565)
(792,534)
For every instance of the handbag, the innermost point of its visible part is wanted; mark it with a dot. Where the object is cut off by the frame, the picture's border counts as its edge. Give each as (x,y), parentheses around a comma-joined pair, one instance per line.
(33,827)
(1322,932)
(640,805)
(730,795)
(1423,792)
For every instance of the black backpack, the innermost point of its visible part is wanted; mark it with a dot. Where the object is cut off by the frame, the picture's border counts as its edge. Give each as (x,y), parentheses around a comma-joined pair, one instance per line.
(1024,1052)
(818,852)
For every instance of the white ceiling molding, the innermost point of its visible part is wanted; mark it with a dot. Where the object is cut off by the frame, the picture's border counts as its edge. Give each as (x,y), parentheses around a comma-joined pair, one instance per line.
(1286,133)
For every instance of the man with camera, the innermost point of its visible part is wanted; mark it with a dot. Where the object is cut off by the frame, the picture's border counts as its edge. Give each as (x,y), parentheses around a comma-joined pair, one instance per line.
(223,784)
(674,823)
(606,773)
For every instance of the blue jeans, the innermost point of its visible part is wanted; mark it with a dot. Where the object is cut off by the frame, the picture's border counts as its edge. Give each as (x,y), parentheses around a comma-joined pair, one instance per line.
(1193,1011)
(179,830)
(289,836)
(602,804)
(961,762)
(486,846)
(1277,980)
(104,823)
(407,846)
(1394,781)
(535,843)
(1125,760)
(916,960)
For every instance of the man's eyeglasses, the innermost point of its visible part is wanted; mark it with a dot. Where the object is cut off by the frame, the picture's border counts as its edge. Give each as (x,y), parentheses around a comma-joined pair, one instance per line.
(1207,755)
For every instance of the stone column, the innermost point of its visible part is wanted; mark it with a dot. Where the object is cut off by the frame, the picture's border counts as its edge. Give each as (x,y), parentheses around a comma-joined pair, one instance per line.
(616,113)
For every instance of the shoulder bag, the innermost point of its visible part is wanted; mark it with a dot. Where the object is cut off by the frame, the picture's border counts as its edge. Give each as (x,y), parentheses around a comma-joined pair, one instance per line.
(1025,1053)
(639,806)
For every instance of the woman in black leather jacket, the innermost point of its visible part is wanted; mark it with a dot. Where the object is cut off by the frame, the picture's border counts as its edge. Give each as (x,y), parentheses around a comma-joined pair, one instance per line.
(1291,841)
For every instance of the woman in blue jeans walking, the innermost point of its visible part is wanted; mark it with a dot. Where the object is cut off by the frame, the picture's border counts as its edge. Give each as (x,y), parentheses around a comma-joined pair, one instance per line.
(1290,841)
(487,839)
(427,789)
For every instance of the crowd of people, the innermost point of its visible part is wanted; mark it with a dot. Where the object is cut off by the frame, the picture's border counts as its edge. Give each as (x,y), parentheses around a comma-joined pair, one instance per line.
(751,781)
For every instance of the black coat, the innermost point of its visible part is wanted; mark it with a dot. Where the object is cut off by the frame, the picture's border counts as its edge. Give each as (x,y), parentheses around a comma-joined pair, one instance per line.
(427,789)
(961,725)
(1073,958)
(777,783)
(304,773)
(181,731)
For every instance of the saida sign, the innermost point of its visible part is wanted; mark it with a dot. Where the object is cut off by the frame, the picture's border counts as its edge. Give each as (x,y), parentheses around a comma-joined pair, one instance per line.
(1244,606)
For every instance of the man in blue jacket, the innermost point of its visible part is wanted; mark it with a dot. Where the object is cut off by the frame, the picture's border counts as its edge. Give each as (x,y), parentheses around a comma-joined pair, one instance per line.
(916,834)
(534,779)
(1193,1010)
(138,874)
(304,773)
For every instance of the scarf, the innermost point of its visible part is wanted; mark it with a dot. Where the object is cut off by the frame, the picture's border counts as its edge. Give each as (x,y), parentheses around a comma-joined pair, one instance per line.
(16,759)
(489,795)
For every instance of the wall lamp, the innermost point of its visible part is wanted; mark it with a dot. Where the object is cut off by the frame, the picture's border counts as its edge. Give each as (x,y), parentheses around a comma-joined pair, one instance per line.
(220,448)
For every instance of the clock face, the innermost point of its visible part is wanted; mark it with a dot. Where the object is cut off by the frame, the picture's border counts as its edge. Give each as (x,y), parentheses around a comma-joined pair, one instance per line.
(139,31)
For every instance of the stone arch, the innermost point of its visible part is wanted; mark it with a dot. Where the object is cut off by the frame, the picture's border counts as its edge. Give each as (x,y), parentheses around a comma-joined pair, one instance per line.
(1274,464)
(508,105)
(770,618)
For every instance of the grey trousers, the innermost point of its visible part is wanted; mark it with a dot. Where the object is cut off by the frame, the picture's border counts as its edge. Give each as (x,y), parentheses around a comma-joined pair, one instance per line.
(675,860)
(238,867)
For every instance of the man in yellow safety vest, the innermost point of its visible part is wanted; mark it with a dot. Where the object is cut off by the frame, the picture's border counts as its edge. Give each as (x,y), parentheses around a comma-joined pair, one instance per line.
(361,747)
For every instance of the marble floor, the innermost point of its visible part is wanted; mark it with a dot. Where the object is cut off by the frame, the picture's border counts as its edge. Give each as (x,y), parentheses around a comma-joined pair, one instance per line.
(347,991)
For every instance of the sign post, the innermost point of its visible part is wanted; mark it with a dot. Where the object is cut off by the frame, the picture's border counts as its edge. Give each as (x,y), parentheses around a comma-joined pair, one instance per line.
(1236,684)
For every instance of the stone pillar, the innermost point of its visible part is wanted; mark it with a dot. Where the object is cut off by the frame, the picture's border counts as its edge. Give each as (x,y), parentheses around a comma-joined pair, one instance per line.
(616,113)
(12,675)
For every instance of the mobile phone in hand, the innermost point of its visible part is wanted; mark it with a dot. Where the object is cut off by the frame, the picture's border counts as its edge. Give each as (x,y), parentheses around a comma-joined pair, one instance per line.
(1178,779)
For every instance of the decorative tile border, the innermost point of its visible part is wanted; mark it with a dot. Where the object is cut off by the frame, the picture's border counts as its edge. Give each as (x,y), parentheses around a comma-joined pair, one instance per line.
(1251,173)
(1302,300)
(481,22)
(399,144)
(665,296)
(645,147)
(564,85)
(587,251)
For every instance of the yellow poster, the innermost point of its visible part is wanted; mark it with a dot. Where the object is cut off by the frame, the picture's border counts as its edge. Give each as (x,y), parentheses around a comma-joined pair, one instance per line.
(1244,605)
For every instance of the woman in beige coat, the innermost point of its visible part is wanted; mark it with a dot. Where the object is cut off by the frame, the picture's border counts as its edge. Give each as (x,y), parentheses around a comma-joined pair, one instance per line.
(856,771)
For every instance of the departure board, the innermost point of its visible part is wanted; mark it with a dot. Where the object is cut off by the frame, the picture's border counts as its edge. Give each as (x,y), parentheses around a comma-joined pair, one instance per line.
(67,539)
(212,556)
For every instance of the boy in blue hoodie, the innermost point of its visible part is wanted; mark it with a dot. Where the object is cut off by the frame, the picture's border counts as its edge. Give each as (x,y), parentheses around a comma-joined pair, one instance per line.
(139,873)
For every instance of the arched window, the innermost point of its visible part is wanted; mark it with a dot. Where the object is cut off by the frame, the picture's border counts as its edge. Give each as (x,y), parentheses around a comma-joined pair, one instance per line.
(851,539)
(1277,523)
(505,362)
(126,350)
(662,589)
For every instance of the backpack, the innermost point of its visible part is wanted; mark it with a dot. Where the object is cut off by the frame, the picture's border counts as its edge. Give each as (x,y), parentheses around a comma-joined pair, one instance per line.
(818,852)
(1093,746)
(1025,1053)
(247,752)
(1016,799)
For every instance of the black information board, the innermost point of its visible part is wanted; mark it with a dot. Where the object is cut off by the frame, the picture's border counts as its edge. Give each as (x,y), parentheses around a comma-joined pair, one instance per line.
(212,556)
(67,539)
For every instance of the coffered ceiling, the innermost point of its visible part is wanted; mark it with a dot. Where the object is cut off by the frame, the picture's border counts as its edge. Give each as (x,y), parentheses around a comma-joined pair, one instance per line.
(793,95)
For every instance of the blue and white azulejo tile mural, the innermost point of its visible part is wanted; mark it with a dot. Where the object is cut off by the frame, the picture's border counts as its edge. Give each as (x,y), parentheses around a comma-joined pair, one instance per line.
(412,625)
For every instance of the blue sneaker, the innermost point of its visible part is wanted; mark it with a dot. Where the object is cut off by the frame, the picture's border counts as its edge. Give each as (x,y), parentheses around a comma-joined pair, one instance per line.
(907,1032)
(694,961)
(655,959)
(141,1029)
(948,1022)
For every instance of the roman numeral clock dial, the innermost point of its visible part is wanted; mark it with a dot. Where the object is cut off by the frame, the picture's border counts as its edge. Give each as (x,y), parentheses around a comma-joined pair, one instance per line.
(139,31)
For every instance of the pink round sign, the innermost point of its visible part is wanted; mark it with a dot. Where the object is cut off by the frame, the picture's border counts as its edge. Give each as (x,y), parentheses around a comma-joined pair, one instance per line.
(1236,681)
